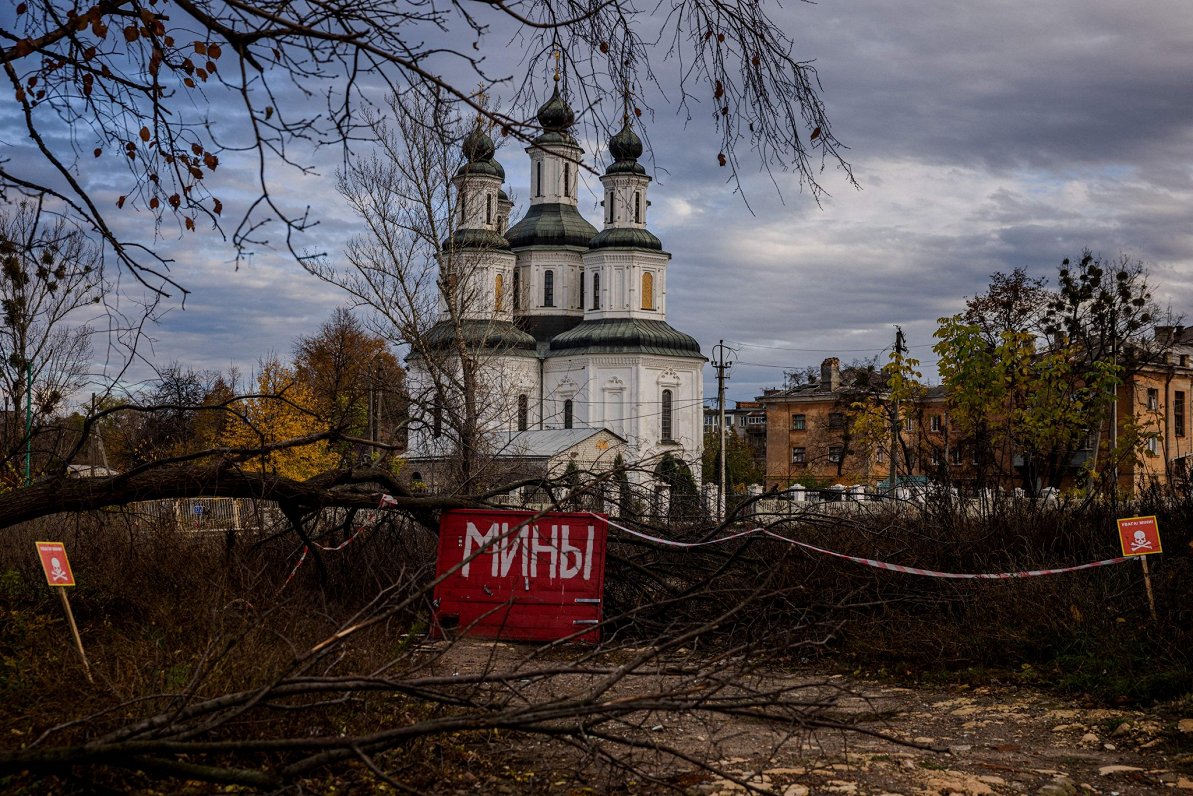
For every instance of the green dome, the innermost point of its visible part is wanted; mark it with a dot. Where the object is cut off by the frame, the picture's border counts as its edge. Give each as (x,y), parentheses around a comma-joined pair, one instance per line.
(556,115)
(626,148)
(478,146)
(494,336)
(551,224)
(625,238)
(625,336)
(467,238)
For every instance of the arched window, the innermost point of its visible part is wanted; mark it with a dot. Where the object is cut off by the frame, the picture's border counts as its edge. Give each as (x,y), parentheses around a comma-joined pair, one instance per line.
(499,292)
(567,179)
(523,412)
(517,290)
(548,288)
(488,208)
(538,178)
(567,413)
(582,278)
(596,291)
(637,207)
(665,416)
(463,208)
(647,291)
(609,207)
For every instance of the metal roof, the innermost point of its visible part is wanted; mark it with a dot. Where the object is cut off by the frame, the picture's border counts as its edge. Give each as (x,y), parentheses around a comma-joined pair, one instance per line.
(625,336)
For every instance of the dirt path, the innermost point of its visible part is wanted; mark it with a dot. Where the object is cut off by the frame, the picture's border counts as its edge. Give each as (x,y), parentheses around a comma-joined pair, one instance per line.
(975,741)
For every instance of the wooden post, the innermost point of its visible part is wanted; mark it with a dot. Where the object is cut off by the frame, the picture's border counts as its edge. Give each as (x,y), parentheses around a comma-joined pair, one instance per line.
(1147,584)
(74,630)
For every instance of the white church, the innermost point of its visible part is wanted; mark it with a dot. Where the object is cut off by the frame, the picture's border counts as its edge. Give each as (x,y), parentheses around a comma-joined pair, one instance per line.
(565,326)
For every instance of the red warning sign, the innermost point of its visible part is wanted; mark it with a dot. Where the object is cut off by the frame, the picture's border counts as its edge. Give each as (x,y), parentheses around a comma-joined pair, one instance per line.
(1139,536)
(55,564)
(520,576)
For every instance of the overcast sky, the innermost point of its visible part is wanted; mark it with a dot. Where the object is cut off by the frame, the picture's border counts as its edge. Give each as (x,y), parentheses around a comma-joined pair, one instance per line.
(984,136)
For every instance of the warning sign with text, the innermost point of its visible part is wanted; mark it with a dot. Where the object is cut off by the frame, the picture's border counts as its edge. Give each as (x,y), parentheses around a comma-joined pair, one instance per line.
(55,564)
(1140,536)
(518,575)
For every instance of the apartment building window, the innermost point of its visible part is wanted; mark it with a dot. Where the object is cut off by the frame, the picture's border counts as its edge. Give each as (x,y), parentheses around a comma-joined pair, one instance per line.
(523,412)
(567,413)
(1153,399)
(880,456)
(836,453)
(1178,413)
(799,422)
(756,420)
(799,455)
(908,424)
(1153,445)
(665,416)
(936,424)
(728,421)
(955,457)
(937,458)
(836,420)
(548,288)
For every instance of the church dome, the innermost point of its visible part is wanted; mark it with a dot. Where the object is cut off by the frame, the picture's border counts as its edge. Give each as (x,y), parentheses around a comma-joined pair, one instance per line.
(556,115)
(479,150)
(625,147)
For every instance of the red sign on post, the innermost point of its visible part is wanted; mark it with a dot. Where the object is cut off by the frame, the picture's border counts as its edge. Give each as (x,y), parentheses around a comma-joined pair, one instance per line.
(521,577)
(55,564)
(1139,536)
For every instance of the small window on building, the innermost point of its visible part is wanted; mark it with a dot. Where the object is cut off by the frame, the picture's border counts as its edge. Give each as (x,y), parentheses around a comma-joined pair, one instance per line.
(937,458)
(548,288)
(647,291)
(908,424)
(1183,360)
(728,421)
(710,420)
(836,420)
(1178,413)
(499,292)
(665,416)
(488,208)
(756,420)
(517,290)
(596,291)
(637,207)
(463,209)
(609,207)
(1153,445)
(523,413)
(567,413)
(582,291)
(567,179)
(936,423)
(836,453)
(799,455)
(538,178)
(1153,399)
(880,456)
(955,457)
(799,422)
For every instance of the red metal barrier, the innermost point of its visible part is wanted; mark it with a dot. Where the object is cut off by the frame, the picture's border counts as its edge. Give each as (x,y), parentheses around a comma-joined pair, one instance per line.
(520,579)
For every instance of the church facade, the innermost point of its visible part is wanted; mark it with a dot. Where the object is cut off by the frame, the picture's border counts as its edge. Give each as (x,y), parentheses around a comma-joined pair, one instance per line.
(565,324)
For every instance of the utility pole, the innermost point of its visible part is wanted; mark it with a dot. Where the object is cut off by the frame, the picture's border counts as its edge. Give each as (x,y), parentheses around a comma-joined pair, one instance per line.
(899,349)
(722,368)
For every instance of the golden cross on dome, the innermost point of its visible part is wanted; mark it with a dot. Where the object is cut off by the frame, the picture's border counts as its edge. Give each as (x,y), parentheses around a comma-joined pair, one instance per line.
(558,55)
(625,104)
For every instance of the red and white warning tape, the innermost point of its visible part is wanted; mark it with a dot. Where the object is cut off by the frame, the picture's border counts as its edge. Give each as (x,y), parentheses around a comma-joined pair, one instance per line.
(870,562)
(386,500)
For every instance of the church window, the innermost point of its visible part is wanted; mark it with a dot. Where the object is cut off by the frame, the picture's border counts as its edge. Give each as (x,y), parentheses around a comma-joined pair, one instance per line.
(548,288)
(609,207)
(437,418)
(596,291)
(463,208)
(665,416)
(648,291)
(488,208)
(523,412)
(499,292)
(567,413)
(567,179)
(517,290)
(538,178)
(582,290)
(637,207)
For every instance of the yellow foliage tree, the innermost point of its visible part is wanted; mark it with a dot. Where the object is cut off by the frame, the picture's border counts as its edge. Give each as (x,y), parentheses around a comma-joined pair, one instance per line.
(281,410)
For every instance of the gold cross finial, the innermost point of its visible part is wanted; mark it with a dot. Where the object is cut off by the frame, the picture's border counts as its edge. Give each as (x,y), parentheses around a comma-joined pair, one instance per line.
(625,107)
(558,55)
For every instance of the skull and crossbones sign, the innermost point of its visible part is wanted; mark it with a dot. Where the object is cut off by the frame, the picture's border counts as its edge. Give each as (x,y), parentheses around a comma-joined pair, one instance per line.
(1140,542)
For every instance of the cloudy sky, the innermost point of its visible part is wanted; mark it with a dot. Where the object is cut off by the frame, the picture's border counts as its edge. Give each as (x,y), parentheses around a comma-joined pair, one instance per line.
(984,136)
